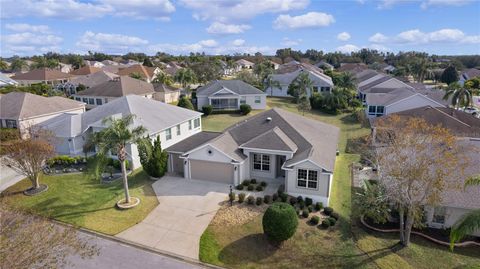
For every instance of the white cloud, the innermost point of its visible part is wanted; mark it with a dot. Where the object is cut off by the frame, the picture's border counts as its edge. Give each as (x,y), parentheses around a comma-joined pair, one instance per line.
(20,43)
(347,48)
(111,43)
(429,3)
(234,10)
(222,28)
(378,38)
(308,20)
(344,36)
(24,27)
(209,43)
(75,9)
(238,42)
(378,47)
(291,42)
(415,36)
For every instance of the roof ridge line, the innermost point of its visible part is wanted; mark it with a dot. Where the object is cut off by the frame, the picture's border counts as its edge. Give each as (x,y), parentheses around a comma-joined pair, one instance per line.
(450,116)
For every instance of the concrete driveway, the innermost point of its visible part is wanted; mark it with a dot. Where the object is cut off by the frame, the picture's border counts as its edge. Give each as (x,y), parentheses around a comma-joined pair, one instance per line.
(8,177)
(185,210)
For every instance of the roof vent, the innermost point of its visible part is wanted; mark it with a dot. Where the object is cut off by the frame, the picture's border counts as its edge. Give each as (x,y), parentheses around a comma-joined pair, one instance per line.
(269,119)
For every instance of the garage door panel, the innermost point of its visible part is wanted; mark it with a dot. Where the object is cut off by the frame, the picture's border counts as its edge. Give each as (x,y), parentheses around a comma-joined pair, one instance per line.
(211,171)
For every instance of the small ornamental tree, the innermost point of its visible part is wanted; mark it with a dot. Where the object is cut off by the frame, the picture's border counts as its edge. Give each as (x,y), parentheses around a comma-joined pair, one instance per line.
(303,104)
(153,158)
(449,75)
(185,103)
(27,157)
(280,222)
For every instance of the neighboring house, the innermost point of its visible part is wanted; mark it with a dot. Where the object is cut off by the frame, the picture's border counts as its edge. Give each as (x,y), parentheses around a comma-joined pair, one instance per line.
(165,93)
(42,75)
(468,74)
(131,62)
(285,77)
(85,70)
(109,62)
(171,68)
(88,81)
(23,110)
(455,201)
(172,123)
(65,68)
(230,94)
(324,65)
(103,93)
(147,73)
(6,81)
(94,63)
(389,69)
(352,67)
(243,64)
(227,70)
(275,145)
(275,65)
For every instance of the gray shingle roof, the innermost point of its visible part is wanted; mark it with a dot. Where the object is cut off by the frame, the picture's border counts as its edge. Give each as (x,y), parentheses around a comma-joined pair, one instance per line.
(236,86)
(385,99)
(94,79)
(21,105)
(274,139)
(160,87)
(193,142)
(287,78)
(42,74)
(122,86)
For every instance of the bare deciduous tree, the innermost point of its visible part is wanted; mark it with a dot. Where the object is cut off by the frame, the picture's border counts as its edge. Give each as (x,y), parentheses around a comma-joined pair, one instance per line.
(29,241)
(417,162)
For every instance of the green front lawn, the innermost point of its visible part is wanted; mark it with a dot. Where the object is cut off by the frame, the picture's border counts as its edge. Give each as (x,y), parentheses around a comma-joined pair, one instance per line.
(82,201)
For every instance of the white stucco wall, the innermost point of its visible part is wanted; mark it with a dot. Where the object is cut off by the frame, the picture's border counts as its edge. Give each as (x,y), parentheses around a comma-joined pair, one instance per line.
(321,194)
(452,215)
(250,100)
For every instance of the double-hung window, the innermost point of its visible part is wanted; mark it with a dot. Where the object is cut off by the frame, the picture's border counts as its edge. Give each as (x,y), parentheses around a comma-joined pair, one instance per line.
(196,123)
(85,100)
(91,101)
(376,110)
(11,123)
(99,101)
(307,178)
(78,99)
(168,133)
(178,130)
(243,100)
(315,89)
(261,162)
(258,99)
(439,215)
(190,125)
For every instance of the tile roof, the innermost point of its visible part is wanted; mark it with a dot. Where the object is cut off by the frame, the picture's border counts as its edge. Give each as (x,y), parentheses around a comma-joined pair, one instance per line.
(44,74)
(21,105)
(86,70)
(121,86)
(144,71)
(236,86)
(94,79)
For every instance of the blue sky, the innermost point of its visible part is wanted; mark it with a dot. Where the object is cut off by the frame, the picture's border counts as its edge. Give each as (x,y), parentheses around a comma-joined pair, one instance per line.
(228,26)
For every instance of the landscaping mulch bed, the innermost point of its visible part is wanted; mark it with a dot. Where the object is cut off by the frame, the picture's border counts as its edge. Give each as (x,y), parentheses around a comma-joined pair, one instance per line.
(237,214)
(35,191)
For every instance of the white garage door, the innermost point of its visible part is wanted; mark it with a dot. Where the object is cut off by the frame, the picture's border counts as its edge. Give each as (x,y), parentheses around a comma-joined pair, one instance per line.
(212,171)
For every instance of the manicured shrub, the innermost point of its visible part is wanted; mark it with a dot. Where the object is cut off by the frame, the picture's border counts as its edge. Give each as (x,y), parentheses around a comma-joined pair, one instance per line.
(310,208)
(300,199)
(250,187)
(259,188)
(325,223)
(302,206)
(308,201)
(334,215)
(332,221)
(293,200)
(231,197)
(284,197)
(280,191)
(263,184)
(259,201)
(327,210)
(185,103)
(315,220)
(251,200)
(241,197)
(246,182)
(279,222)
(267,199)
(253,181)
(207,110)
(245,109)
(318,206)
(305,213)
(274,197)
(239,187)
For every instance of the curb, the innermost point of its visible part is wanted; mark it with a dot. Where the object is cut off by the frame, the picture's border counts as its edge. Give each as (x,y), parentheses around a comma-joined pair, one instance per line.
(140,246)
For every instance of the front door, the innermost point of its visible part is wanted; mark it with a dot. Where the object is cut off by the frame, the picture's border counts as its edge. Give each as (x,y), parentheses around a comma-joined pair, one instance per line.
(280,161)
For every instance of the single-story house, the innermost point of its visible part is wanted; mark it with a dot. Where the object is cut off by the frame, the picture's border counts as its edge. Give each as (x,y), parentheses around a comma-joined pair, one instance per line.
(112,89)
(352,68)
(229,95)
(468,74)
(147,73)
(24,110)
(165,93)
(172,123)
(285,77)
(42,75)
(324,65)
(85,70)
(275,145)
(94,63)
(243,64)
(88,81)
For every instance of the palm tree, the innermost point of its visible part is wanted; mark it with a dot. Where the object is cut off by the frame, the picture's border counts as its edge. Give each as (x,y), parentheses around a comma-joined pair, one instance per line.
(18,65)
(271,83)
(185,76)
(117,136)
(335,100)
(300,85)
(163,78)
(346,80)
(469,223)
(461,96)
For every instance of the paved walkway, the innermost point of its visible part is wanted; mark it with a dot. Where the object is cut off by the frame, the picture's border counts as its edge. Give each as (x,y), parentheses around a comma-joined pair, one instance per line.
(117,255)
(8,177)
(185,210)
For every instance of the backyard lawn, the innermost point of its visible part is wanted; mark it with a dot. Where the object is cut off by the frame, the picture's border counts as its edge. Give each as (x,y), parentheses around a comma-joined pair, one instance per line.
(82,201)
(345,246)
